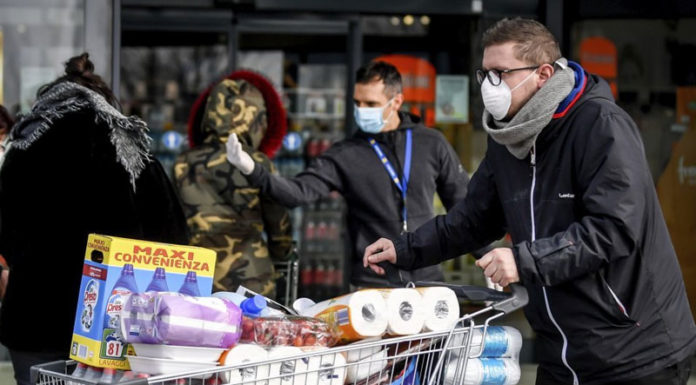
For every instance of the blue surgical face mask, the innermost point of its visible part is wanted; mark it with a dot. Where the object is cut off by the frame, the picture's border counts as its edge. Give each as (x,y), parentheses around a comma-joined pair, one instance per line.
(369,119)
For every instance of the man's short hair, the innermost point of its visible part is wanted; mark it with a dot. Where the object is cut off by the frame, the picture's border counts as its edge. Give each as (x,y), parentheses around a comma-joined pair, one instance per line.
(534,43)
(379,70)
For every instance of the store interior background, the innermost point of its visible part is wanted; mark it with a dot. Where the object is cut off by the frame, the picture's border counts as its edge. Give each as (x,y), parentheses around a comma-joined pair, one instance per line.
(167,52)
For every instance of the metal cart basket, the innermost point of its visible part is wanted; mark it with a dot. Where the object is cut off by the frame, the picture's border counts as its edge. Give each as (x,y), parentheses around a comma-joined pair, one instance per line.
(425,358)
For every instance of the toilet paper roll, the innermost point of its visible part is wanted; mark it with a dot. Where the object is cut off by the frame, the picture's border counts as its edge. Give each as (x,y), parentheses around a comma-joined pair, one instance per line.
(287,372)
(500,341)
(357,354)
(441,308)
(354,316)
(242,354)
(326,369)
(405,313)
(366,367)
(490,371)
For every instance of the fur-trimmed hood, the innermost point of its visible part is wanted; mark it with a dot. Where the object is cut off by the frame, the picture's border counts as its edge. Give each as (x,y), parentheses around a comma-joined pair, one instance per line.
(275,116)
(128,134)
(235,106)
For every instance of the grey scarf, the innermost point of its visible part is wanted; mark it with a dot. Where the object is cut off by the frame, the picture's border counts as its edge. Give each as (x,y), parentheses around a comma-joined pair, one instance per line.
(520,133)
(127,134)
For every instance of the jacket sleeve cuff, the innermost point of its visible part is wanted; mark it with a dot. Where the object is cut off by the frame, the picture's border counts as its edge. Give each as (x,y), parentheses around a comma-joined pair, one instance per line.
(526,265)
(482,251)
(404,259)
(257,175)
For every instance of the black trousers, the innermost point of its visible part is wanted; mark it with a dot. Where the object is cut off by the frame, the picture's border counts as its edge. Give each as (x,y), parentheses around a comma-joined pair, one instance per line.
(677,374)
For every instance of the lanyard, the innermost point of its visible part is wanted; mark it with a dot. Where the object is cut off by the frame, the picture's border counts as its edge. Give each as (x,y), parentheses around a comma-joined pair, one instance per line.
(402,185)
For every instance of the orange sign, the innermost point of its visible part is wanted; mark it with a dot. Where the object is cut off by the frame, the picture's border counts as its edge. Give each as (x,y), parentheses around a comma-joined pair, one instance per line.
(598,56)
(418,77)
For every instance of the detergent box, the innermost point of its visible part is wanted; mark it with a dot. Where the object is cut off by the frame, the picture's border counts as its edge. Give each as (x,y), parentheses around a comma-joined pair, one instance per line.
(116,267)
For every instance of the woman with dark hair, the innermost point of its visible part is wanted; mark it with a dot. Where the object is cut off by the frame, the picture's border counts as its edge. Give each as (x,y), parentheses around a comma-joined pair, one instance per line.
(74,165)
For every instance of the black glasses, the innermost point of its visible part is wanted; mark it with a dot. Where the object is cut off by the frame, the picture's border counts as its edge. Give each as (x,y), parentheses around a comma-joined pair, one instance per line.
(495,76)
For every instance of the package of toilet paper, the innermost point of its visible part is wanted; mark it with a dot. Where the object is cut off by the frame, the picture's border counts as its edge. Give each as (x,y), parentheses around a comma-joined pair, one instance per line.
(440,307)
(353,316)
(405,311)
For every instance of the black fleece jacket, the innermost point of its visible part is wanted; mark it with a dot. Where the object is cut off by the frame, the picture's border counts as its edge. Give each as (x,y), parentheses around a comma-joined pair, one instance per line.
(374,203)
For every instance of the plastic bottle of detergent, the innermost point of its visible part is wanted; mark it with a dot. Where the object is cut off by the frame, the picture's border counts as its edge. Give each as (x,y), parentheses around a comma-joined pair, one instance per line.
(190,285)
(110,376)
(159,281)
(252,307)
(79,372)
(93,374)
(124,285)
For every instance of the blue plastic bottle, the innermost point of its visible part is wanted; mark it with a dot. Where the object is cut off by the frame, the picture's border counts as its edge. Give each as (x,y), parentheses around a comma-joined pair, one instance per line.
(252,307)
(159,281)
(190,286)
(124,285)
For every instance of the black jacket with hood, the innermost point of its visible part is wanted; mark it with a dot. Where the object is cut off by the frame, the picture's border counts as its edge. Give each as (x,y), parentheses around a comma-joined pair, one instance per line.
(607,299)
(374,203)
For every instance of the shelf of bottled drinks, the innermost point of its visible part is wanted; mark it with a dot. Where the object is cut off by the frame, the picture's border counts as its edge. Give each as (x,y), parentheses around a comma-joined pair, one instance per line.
(319,228)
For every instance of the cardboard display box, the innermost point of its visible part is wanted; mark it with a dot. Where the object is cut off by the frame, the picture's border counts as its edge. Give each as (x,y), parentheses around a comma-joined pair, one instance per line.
(114,267)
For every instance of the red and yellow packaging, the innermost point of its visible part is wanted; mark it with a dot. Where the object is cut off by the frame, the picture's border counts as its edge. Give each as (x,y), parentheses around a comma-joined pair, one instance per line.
(116,267)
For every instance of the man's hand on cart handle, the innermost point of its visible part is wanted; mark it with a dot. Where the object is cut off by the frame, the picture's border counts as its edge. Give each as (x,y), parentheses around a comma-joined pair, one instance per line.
(237,156)
(381,250)
(499,265)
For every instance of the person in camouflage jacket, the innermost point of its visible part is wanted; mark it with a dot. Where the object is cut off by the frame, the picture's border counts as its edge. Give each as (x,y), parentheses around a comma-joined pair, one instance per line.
(224,212)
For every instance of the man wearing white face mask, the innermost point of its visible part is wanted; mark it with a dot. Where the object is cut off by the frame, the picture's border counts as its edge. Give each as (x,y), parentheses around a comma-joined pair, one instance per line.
(565,175)
(388,172)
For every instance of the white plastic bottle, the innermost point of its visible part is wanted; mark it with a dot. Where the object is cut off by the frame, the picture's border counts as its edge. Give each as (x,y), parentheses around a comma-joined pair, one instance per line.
(253,307)
(80,370)
(482,371)
(108,376)
(93,374)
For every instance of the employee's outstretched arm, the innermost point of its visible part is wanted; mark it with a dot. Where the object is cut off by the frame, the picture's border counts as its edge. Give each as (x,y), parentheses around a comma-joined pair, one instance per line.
(316,181)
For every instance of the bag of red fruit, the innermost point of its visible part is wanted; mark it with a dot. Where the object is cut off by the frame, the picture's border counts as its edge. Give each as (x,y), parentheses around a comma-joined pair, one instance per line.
(287,330)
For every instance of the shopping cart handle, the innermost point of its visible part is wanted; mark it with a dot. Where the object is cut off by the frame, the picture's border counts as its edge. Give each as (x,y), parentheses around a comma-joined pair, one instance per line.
(503,301)
(518,298)
(392,274)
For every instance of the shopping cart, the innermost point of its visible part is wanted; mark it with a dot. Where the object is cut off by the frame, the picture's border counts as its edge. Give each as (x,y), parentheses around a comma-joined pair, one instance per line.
(288,277)
(427,358)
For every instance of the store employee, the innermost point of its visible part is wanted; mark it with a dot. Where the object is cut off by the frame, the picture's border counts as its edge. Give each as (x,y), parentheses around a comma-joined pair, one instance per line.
(388,172)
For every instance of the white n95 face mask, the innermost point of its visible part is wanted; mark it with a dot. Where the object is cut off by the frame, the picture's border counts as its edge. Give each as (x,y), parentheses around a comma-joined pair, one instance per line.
(497,99)
(369,119)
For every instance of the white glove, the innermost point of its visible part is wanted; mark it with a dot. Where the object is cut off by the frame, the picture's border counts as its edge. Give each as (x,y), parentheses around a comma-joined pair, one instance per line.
(238,157)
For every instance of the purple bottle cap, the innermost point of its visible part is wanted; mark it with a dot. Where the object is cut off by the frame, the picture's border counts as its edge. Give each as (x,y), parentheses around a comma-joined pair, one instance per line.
(127,269)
